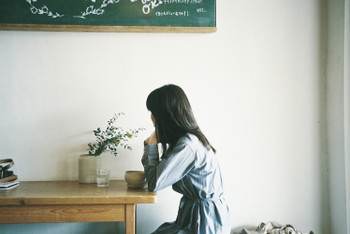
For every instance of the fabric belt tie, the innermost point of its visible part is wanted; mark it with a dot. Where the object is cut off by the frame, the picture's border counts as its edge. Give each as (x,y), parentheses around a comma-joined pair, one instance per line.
(194,200)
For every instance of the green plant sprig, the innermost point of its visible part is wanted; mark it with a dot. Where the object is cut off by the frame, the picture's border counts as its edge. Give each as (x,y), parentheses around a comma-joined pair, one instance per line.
(112,138)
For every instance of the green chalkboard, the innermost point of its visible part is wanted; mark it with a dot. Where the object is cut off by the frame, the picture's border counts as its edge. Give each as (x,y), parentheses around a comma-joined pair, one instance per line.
(108,15)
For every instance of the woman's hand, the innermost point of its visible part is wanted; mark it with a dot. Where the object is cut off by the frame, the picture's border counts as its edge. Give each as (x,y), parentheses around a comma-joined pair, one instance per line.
(152,139)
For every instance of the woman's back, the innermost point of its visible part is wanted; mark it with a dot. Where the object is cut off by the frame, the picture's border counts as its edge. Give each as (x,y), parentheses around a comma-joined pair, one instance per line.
(193,171)
(204,179)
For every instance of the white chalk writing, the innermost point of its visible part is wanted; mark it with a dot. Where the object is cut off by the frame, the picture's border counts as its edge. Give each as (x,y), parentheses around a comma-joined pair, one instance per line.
(149,5)
(91,10)
(172,13)
(182,1)
(43,10)
(201,10)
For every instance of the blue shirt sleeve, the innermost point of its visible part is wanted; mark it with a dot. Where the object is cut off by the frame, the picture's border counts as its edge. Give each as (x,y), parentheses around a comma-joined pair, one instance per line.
(169,170)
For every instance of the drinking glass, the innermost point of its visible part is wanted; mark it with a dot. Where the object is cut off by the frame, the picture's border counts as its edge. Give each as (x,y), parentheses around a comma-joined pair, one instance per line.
(102,177)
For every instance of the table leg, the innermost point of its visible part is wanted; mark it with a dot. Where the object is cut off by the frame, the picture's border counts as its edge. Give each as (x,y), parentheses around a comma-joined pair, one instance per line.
(130,223)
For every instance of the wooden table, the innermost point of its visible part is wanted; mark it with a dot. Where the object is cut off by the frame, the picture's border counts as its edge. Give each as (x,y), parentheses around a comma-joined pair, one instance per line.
(69,201)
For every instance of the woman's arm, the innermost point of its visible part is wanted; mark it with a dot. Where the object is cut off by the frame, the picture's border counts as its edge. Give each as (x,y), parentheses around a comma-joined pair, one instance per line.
(165,172)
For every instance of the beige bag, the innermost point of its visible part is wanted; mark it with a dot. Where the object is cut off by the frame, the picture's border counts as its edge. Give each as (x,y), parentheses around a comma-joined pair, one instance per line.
(272,228)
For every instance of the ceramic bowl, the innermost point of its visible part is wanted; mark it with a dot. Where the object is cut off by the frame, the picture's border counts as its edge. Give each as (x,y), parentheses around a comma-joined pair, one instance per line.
(135,179)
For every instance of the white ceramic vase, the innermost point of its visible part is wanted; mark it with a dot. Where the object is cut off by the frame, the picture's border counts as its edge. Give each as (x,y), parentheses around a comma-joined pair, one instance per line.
(87,168)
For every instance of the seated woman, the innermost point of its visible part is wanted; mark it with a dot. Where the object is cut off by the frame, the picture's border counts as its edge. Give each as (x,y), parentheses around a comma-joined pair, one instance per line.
(187,162)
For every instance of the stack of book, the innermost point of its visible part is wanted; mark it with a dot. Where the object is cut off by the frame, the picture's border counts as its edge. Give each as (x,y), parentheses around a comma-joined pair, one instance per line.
(9,185)
(8,179)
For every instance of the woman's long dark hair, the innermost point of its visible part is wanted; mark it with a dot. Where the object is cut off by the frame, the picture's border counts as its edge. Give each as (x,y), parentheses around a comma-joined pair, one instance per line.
(173,116)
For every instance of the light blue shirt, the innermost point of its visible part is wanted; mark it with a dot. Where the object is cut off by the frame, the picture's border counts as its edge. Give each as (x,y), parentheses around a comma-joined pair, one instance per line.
(194,172)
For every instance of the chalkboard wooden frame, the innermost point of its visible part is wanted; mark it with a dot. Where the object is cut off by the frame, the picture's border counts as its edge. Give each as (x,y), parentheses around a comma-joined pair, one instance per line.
(123,16)
(87,28)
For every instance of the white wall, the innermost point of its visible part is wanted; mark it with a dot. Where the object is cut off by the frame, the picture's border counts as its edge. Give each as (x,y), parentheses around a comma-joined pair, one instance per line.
(257,87)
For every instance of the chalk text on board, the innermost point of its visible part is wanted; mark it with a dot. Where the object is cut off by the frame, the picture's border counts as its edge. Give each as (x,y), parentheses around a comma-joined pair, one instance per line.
(182,1)
(172,13)
(149,4)
(201,10)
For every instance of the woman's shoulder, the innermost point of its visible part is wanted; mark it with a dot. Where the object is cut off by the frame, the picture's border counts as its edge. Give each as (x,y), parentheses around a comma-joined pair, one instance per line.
(191,140)
(188,137)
